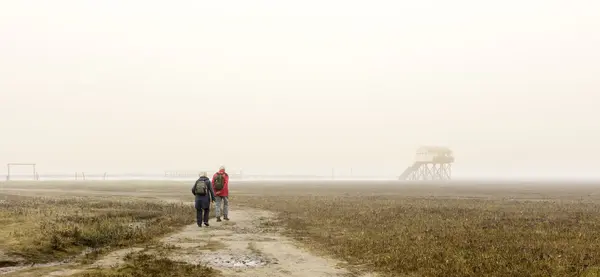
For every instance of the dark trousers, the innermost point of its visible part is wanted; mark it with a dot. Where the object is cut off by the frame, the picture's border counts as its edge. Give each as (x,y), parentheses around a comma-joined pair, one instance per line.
(200,217)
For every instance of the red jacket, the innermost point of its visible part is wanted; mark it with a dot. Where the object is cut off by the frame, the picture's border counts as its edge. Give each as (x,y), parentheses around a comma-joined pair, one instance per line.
(225,190)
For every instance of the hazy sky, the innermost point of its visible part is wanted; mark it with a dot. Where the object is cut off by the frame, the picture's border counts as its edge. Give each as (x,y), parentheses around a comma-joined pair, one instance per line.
(512,86)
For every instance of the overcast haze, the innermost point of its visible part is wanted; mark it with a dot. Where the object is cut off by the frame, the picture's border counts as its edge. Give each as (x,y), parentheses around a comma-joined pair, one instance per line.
(301,86)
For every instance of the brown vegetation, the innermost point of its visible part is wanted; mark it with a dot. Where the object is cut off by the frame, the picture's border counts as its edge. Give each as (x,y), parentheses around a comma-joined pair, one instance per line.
(423,230)
(427,236)
(38,230)
(150,265)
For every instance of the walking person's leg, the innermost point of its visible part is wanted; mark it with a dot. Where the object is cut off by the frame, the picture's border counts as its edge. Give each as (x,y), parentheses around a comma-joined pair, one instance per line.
(206,212)
(226,207)
(199,217)
(218,208)
(198,207)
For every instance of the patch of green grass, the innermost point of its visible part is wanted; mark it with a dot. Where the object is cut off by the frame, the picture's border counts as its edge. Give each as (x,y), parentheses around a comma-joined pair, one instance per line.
(40,230)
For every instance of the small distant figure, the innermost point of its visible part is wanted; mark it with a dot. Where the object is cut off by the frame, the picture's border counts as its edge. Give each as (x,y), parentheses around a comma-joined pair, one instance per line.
(204,193)
(221,183)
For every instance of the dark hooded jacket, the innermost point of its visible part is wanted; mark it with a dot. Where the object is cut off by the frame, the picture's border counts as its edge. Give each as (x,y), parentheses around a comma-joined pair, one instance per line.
(203,201)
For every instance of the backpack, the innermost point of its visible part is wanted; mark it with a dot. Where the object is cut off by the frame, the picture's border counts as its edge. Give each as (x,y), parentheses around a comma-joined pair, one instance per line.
(219,182)
(201,188)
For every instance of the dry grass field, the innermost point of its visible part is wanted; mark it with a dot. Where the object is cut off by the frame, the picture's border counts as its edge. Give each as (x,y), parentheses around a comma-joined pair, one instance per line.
(390,228)
(406,232)
(39,230)
(62,227)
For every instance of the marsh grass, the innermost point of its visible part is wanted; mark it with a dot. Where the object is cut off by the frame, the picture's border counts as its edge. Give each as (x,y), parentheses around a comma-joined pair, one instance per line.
(402,236)
(38,230)
(402,230)
(151,265)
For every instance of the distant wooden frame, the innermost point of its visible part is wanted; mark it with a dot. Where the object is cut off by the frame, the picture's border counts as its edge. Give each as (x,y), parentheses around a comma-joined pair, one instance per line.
(9,165)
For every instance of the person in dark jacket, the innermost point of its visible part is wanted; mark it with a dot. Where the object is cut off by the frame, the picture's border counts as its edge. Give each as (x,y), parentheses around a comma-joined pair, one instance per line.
(204,193)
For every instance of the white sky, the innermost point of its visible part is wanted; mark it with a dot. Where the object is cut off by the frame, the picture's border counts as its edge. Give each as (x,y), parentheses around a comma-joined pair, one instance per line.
(301,86)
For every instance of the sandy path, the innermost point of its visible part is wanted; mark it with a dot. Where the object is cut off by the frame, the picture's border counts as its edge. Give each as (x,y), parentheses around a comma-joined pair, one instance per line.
(241,247)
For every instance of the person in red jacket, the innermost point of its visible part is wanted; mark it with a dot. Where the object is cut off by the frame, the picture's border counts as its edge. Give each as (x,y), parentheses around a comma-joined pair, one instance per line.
(220,183)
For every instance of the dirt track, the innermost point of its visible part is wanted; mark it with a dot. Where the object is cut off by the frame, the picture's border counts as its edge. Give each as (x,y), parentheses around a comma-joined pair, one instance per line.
(241,248)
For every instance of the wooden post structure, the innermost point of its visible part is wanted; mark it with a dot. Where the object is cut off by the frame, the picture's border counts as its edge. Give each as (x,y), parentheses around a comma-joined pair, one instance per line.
(9,165)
